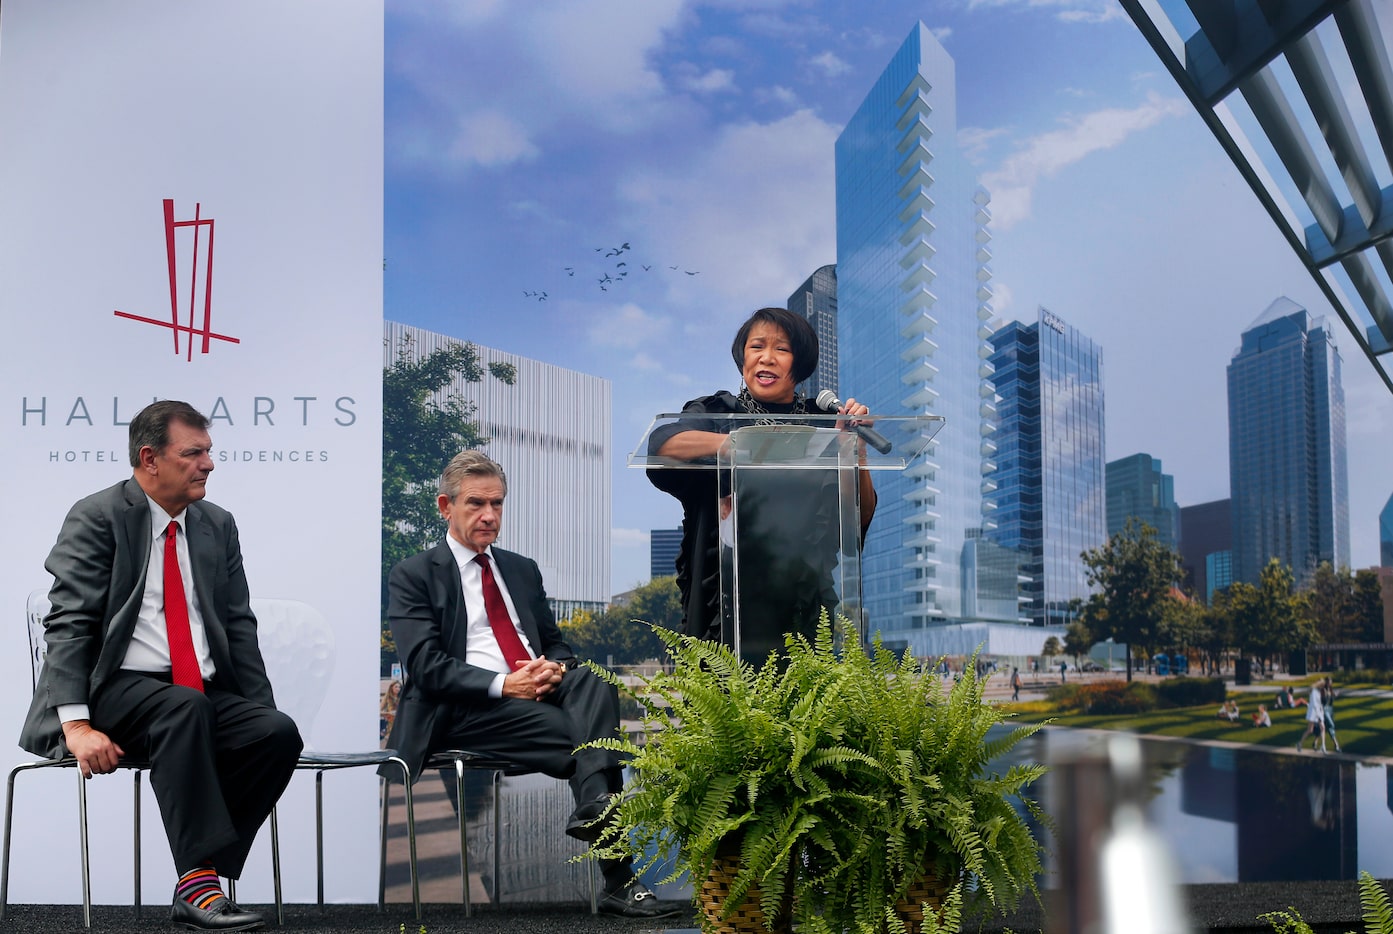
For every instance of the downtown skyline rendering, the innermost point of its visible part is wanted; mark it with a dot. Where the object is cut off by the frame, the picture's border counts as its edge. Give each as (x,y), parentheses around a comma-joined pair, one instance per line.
(523,146)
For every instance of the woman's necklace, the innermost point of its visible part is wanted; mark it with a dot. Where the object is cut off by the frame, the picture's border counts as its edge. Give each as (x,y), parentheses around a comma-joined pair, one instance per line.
(752,405)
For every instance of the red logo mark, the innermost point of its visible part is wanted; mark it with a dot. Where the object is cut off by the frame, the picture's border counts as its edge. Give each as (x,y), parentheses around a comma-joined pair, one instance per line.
(202,228)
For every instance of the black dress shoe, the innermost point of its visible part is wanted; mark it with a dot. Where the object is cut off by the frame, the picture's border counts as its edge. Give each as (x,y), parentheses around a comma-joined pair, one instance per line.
(221,915)
(634,900)
(588,820)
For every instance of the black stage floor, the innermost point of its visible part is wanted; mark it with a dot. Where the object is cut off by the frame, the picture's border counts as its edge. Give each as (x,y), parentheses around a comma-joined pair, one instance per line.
(1330,908)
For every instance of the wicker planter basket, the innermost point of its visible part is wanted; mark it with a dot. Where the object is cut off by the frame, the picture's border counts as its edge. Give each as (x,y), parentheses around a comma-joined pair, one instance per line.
(748,917)
(930,889)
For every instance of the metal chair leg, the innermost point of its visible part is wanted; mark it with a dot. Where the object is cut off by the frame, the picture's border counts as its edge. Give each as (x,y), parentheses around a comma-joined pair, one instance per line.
(411,841)
(276,868)
(319,837)
(136,782)
(82,838)
(463,836)
(497,839)
(384,789)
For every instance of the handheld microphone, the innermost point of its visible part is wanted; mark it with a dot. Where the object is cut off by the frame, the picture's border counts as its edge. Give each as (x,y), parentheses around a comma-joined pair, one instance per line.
(827,401)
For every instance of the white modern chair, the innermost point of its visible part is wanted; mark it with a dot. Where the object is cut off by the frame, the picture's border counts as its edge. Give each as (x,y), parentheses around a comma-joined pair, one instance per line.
(297,645)
(36,609)
(498,768)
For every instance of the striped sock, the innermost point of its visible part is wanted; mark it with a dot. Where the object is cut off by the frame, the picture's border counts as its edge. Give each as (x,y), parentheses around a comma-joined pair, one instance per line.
(199,887)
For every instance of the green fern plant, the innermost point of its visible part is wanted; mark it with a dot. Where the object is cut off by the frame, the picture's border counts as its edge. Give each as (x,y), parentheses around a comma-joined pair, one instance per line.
(840,774)
(1377,910)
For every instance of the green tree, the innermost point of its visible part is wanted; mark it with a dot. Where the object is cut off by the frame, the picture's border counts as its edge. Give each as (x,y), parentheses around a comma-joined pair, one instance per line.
(1132,575)
(621,633)
(423,426)
(1077,640)
(1331,603)
(1051,648)
(1368,601)
(1185,622)
(1269,617)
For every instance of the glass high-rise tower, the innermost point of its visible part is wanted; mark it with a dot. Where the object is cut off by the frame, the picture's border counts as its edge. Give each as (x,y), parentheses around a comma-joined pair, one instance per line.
(1050,492)
(1288,478)
(816,300)
(1138,489)
(913,308)
(1385,534)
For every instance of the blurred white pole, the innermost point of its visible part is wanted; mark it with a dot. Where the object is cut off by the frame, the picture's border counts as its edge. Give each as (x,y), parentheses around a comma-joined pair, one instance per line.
(1115,874)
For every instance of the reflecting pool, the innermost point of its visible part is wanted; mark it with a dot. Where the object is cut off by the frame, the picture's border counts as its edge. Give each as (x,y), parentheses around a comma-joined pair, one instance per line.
(1227,813)
(1252,814)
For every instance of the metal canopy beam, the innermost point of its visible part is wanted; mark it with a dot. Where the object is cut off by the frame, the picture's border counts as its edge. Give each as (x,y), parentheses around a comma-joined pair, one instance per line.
(1348,250)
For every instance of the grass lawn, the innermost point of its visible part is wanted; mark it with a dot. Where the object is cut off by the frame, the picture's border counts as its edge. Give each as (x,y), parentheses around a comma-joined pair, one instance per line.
(1363,722)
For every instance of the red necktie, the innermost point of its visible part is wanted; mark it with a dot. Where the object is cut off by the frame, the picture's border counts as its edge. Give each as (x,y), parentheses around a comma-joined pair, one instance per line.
(502,624)
(183,661)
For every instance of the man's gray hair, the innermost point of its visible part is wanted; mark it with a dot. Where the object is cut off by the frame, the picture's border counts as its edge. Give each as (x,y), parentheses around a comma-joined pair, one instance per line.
(469,464)
(150,426)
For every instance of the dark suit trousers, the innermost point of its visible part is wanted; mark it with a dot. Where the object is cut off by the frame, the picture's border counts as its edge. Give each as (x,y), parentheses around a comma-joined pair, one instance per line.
(218,762)
(544,734)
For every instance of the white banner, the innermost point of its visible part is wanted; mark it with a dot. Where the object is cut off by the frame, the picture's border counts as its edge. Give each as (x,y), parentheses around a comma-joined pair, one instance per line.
(192,209)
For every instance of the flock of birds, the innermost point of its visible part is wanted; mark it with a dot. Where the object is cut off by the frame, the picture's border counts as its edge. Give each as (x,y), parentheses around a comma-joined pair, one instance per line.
(612,274)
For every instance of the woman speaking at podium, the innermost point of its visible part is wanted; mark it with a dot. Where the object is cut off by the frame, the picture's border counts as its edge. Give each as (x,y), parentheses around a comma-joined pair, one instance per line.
(774,350)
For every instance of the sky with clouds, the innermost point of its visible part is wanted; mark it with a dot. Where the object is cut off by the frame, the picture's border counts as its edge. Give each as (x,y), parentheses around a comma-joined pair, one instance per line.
(526,140)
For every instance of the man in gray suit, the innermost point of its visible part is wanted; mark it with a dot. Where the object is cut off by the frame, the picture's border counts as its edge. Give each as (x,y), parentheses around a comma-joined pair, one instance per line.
(487,669)
(152,653)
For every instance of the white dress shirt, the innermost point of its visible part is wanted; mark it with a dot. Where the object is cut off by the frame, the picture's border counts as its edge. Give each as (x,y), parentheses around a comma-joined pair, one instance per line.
(149,647)
(482,645)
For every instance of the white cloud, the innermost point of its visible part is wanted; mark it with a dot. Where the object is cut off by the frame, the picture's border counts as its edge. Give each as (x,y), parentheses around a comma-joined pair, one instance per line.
(973,142)
(715,80)
(469,13)
(542,63)
(777,94)
(628,538)
(596,53)
(941,33)
(490,138)
(829,64)
(628,327)
(1068,11)
(1002,298)
(1012,185)
(752,213)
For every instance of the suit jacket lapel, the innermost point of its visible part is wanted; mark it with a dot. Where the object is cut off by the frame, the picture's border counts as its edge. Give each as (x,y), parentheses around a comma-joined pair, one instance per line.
(203,560)
(449,596)
(128,577)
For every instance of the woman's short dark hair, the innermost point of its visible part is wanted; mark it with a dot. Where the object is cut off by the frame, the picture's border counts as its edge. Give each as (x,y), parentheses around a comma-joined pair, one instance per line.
(801,338)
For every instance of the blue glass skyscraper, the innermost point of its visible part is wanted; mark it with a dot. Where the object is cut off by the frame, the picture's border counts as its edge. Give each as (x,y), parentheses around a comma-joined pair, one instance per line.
(816,300)
(1287,470)
(1050,491)
(1138,489)
(1385,534)
(663,546)
(914,302)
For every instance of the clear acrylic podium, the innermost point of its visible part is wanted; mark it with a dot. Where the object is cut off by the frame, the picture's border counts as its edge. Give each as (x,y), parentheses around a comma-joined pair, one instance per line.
(788,508)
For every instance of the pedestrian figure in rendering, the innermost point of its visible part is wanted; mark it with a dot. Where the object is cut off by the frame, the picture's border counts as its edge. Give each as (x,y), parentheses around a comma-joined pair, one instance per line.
(1015,684)
(1315,720)
(1327,702)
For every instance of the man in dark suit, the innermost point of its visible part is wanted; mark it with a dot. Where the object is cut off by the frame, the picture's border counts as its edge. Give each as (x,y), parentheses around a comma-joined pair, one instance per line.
(487,669)
(152,653)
